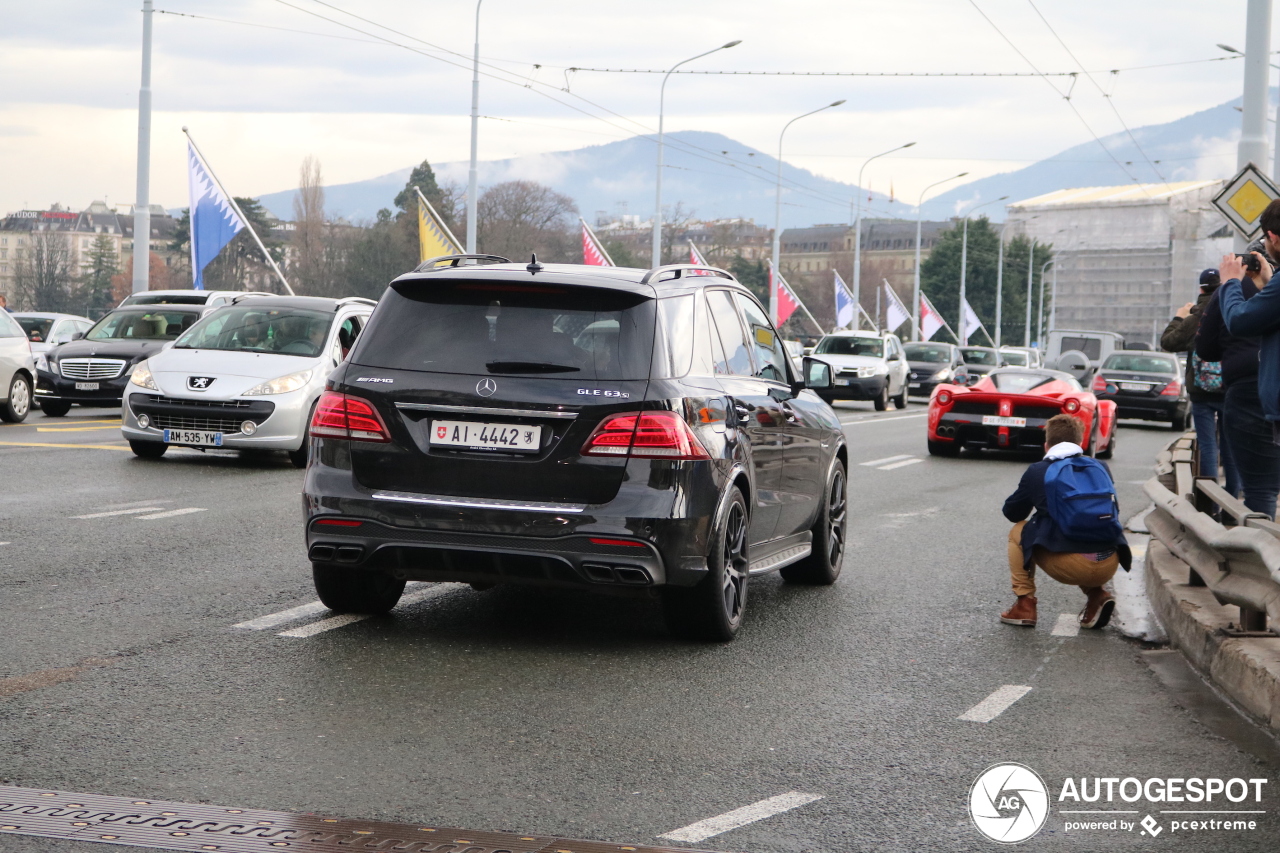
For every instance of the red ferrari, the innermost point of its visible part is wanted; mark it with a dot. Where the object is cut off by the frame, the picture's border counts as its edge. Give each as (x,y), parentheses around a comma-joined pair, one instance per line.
(1007,408)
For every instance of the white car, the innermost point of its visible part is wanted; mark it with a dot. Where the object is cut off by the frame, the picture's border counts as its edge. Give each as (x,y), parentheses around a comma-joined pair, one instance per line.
(865,366)
(45,331)
(246,376)
(210,298)
(17,370)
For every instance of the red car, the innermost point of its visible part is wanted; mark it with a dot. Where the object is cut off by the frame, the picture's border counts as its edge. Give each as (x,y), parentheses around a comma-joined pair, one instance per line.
(1007,408)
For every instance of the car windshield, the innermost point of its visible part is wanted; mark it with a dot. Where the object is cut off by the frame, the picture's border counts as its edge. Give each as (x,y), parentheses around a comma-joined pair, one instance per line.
(1015,357)
(1021,381)
(850,345)
(1143,363)
(146,325)
(931,353)
(979,356)
(248,328)
(37,328)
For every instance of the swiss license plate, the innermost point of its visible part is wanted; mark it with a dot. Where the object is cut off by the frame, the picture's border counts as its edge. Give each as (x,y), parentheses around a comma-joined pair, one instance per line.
(914,385)
(86,386)
(842,381)
(198,438)
(1133,386)
(997,420)
(517,438)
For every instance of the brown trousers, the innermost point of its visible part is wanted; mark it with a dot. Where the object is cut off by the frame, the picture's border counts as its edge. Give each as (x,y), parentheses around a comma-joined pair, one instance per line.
(1071,569)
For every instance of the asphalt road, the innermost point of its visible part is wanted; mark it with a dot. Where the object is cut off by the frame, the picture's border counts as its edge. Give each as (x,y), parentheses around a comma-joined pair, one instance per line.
(121,672)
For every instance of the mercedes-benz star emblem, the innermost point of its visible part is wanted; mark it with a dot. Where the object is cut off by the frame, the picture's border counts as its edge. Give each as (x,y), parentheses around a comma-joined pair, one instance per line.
(199,383)
(486,387)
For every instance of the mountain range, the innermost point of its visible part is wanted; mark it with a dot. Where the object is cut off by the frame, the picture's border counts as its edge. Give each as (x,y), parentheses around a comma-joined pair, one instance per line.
(712,176)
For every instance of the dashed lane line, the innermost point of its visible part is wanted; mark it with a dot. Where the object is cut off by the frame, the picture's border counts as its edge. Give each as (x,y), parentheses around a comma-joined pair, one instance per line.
(995,704)
(76,429)
(720,824)
(63,446)
(876,462)
(172,513)
(901,464)
(875,420)
(344,619)
(112,512)
(272,620)
(1068,625)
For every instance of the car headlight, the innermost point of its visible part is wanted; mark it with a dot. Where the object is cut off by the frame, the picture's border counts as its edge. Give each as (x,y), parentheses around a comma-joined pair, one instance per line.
(942,375)
(141,376)
(282,385)
(42,363)
(873,370)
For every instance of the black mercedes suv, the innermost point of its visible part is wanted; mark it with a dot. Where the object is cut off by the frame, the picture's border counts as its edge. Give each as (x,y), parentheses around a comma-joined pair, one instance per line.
(600,428)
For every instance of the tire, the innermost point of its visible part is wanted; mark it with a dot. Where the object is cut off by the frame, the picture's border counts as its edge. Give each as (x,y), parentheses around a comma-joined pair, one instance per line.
(300,456)
(55,408)
(944,448)
(900,401)
(17,408)
(822,566)
(1111,447)
(713,609)
(148,449)
(882,401)
(347,590)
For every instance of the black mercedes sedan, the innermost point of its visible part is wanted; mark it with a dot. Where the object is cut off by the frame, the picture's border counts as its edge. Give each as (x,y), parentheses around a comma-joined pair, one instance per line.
(931,364)
(93,370)
(1145,385)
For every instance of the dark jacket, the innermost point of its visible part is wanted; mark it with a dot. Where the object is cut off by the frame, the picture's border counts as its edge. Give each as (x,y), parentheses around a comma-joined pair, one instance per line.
(1239,356)
(1042,530)
(1180,336)
(1258,317)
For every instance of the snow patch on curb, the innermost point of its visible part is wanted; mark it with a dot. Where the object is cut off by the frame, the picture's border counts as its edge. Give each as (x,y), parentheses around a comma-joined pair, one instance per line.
(1134,616)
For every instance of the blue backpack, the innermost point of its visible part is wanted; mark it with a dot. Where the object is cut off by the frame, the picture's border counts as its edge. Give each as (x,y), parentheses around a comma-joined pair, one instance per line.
(1082,499)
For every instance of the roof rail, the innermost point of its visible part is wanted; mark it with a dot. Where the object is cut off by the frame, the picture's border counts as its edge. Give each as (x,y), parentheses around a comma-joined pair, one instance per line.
(456,261)
(683,271)
(249,293)
(353,300)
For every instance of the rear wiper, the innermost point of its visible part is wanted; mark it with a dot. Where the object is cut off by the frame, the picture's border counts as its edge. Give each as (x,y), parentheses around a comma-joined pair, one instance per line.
(529,367)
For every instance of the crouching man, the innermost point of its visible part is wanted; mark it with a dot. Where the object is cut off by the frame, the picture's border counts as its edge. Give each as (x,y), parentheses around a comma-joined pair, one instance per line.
(1075,535)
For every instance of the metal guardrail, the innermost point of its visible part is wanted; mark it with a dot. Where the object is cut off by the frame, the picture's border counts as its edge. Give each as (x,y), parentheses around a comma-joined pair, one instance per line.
(1239,564)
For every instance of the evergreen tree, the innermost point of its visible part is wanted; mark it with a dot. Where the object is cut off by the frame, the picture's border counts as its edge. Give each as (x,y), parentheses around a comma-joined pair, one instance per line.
(379,254)
(753,274)
(230,270)
(100,265)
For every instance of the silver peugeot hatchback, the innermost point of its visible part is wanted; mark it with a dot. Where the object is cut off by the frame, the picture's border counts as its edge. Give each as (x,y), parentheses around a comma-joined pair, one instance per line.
(246,377)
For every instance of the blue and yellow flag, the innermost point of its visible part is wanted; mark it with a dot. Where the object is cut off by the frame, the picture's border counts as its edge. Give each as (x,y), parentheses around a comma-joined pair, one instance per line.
(434,237)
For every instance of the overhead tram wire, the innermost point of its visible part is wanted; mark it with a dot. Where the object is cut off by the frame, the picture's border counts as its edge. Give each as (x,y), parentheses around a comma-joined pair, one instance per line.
(957,74)
(1106,97)
(1049,82)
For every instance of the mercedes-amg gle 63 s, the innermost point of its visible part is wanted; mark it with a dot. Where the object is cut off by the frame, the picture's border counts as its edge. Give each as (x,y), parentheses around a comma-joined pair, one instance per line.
(596,428)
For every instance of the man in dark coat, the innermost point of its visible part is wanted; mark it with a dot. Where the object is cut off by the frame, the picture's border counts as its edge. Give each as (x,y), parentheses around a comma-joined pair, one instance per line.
(1040,542)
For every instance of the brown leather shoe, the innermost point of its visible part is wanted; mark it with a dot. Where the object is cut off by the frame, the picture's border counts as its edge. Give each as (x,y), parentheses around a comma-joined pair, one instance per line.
(1023,612)
(1097,611)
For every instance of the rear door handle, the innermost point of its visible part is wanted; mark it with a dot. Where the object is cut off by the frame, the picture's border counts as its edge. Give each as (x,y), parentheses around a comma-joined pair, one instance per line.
(743,412)
(788,412)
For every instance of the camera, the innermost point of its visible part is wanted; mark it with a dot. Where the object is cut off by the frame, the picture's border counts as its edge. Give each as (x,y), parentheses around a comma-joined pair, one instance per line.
(1251,262)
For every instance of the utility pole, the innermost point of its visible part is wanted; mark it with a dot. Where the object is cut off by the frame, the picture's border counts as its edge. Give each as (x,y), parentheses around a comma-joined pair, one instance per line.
(142,202)
(857,229)
(472,179)
(1257,63)
(1031,277)
(1000,281)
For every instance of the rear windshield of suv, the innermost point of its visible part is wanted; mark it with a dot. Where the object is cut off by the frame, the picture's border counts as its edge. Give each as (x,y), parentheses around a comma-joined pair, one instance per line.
(497,327)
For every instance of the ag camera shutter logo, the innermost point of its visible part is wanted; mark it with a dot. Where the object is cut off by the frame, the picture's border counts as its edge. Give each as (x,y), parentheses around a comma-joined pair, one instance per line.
(1009,802)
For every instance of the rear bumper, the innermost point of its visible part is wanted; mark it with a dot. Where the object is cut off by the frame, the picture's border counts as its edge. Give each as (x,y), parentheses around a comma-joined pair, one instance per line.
(1143,407)
(963,430)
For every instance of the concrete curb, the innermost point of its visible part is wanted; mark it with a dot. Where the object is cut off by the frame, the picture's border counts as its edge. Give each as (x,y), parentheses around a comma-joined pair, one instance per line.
(1245,668)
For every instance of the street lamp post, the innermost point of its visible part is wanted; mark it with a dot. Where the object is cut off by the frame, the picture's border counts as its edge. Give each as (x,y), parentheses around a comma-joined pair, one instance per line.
(656,260)
(964,264)
(857,236)
(915,289)
(1040,313)
(777,214)
(472,175)
(1031,277)
(1000,281)
(142,204)
(1275,169)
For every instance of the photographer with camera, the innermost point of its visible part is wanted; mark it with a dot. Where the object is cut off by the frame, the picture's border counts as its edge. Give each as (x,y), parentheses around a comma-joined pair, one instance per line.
(1249,306)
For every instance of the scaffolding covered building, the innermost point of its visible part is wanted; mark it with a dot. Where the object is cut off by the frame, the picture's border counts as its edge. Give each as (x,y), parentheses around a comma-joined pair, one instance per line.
(1124,257)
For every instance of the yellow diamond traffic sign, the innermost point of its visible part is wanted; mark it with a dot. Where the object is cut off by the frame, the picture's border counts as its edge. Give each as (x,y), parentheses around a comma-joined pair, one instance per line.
(1244,198)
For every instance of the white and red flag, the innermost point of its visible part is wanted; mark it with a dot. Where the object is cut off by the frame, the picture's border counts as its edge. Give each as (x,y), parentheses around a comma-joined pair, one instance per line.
(593,253)
(696,257)
(786,298)
(930,320)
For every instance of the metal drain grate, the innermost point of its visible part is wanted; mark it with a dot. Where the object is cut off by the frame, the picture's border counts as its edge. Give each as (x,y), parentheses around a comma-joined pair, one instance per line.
(184,826)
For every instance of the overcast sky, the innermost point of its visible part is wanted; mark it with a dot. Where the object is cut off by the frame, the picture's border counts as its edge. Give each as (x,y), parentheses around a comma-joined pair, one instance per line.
(259,99)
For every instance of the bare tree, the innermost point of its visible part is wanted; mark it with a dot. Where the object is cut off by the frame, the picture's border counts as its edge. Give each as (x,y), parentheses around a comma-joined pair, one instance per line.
(517,218)
(310,267)
(44,273)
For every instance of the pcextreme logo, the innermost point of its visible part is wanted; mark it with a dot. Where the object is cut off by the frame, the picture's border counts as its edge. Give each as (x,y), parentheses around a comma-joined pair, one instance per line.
(1008,802)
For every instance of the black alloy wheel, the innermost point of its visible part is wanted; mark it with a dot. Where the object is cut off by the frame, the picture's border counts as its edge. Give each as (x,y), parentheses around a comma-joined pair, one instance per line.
(713,609)
(823,564)
(18,406)
(347,590)
(54,408)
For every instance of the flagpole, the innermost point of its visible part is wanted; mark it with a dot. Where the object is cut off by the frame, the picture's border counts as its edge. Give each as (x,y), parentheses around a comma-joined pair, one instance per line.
(869,320)
(596,240)
(231,200)
(436,216)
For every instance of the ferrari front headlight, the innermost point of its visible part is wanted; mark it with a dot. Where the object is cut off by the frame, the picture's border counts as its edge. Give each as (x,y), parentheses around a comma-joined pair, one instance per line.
(141,376)
(282,385)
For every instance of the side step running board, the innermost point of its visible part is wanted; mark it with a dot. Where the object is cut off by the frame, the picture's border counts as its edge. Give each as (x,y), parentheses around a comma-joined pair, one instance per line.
(781,559)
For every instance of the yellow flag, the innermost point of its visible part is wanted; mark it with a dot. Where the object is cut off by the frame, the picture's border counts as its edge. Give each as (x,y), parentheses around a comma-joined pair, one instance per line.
(434,237)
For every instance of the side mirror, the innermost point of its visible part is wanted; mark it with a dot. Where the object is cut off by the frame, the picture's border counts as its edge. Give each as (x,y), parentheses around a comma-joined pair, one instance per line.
(77,336)
(817,374)
(893,357)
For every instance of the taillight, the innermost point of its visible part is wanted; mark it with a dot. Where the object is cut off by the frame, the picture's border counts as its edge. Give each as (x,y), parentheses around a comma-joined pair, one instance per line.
(1072,406)
(345,416)
(1173,389)
(1099,384)
(944,397)
(660,435)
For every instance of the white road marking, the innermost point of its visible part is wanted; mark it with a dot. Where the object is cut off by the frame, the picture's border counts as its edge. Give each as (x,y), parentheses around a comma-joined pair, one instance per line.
(901,464)
(875,420)
(1068,625)
(173,512)
(995,704)
(341,620)
(112,512)
(6,543)
(293,614)
(147,503)
(705,829)
(875,462)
